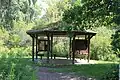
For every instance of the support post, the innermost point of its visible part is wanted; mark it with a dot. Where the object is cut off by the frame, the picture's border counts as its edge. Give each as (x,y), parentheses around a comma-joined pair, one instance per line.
(70,44)
(36,46)
(88,48)
(51,46)
(48,48)
(33,48)
(73,59)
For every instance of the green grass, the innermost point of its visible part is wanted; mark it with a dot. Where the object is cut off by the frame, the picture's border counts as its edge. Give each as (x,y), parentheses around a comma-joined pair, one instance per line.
(96,71)
(105,62)
(12,68)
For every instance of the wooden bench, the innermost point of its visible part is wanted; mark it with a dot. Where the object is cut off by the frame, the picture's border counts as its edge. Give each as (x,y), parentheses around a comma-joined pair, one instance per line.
(41,55)
(54,55)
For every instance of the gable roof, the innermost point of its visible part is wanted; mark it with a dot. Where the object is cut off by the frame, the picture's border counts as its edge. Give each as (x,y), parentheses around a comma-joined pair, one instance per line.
(53,29)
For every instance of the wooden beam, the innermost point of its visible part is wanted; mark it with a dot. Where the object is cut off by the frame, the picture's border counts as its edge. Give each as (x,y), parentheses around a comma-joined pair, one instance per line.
(91,36)
(88,48)
(73,59)
(36,46)
(51,46)
(70,46)
(33,48)
(48,48)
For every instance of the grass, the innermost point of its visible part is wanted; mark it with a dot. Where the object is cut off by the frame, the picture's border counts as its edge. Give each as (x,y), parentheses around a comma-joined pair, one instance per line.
(12,68)
(105,62)
(15,67)
(96,71)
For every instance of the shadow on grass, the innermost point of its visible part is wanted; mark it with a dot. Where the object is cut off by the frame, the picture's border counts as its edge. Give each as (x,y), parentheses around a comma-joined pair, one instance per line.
(96,71)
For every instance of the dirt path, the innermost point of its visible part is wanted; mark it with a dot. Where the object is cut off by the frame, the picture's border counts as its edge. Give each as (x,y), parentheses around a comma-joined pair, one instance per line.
(45,74)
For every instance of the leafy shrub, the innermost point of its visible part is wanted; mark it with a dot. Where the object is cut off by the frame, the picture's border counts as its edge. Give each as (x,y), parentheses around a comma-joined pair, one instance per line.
(101,48)
(16,69)
(13,41)
(20,51)
(116,42)
(113,74)
(17,36)
(60,47)
(4,36)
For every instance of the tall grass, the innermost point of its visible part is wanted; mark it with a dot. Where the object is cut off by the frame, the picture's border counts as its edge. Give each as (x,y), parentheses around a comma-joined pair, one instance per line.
(13,68)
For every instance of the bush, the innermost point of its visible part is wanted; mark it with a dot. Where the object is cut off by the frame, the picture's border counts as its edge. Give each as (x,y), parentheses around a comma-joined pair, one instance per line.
(16,69)
(4,36)
(20,51)
(116,42)
(113,74)
(101,48)
(60,47)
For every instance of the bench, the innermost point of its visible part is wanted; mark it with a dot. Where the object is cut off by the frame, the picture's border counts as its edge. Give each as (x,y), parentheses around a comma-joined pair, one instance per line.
(41,55)
(54,55)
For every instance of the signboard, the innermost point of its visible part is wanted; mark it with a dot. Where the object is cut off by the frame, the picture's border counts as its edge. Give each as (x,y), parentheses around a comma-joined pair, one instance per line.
(80,46)
(42,45)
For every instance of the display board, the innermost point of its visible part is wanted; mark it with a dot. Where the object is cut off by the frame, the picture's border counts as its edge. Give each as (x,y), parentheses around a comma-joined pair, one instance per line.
(81,46)
(42,45)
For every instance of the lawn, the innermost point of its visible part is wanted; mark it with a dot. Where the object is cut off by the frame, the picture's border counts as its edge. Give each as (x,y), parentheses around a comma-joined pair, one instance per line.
(96,71)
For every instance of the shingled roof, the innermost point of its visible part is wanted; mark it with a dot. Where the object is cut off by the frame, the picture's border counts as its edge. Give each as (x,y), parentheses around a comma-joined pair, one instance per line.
(54,29)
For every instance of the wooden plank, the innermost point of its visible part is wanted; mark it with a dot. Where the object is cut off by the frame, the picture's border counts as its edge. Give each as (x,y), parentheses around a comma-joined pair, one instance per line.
(33,48)
(51,46)
(58,32)
(70,46)
(36,46)
(73,59)
(42,40)
(88,49)
(48,48)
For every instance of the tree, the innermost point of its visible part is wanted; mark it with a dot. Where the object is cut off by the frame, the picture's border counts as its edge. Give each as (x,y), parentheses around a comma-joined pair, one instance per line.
(93,13)
(116,42)
(54,11)
(15,10)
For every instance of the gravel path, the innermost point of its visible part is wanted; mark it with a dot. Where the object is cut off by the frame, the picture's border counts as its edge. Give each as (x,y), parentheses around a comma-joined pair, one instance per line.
(45,74)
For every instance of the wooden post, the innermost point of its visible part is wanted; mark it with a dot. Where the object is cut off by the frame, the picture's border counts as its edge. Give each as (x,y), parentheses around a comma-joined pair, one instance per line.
(33,48)
(88,48)
(48,48)
(36,46)
(73,59)
(51,46)
(70,44)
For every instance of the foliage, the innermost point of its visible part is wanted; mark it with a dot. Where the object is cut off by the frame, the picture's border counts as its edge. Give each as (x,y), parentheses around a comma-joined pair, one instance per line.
(112,74)
(53,11)
(16,42)
(16,37)
(20,29)
(116,42)
(12,68)
(60,47)
(101,48)
(20,52)
(4,36)
(92,13)
(16,10)
(12,58)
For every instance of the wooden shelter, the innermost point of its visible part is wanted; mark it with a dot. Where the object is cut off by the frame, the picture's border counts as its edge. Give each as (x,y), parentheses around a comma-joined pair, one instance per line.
(46,44)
